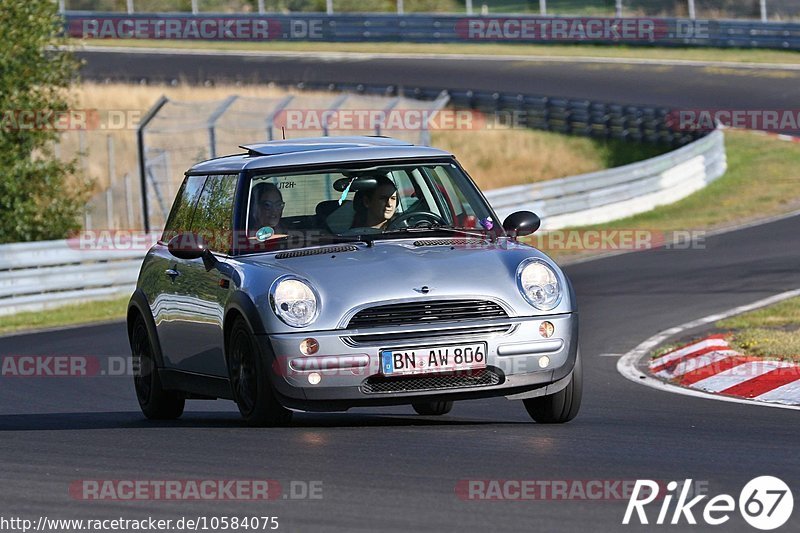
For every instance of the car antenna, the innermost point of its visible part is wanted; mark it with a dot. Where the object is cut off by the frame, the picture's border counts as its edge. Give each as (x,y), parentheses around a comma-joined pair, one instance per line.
(283,132)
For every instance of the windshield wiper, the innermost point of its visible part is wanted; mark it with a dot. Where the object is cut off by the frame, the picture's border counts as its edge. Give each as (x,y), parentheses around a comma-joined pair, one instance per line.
(435,228)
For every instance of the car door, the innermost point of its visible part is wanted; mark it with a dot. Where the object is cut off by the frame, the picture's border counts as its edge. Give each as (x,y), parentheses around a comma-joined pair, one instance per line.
(165,301)
(201,288)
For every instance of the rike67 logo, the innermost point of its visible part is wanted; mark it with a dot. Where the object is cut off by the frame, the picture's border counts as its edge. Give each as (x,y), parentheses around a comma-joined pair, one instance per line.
(765,503)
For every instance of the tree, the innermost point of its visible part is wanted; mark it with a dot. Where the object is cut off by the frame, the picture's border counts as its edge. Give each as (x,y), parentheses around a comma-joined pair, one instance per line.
(40,197)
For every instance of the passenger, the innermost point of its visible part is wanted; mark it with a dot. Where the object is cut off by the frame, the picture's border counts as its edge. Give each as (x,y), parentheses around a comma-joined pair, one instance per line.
(267,208)
(375,208)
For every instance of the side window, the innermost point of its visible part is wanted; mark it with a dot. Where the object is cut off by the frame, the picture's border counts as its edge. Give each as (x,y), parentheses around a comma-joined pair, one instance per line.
(180,218)
(213,217)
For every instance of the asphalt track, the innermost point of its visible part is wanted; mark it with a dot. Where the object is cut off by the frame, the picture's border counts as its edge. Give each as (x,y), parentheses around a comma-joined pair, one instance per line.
(387,469)
(677,86)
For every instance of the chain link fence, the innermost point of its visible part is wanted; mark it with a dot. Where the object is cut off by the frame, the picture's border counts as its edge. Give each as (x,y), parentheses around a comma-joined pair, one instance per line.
(179,134)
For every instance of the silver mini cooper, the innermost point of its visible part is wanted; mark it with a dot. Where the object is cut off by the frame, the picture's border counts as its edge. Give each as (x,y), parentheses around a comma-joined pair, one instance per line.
(328,273)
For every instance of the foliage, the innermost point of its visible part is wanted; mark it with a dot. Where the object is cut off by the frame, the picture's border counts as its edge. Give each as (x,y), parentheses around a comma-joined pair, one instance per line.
(39,198)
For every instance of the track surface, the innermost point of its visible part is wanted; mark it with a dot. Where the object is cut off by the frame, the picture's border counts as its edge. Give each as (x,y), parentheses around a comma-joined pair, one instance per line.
(388,469)
(689,87)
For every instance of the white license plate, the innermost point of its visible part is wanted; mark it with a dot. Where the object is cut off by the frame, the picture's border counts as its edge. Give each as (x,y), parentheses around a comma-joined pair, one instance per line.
(424,360)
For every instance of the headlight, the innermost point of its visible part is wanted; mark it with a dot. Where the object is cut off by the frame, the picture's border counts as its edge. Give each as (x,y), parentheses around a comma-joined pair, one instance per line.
(294,301)
(539,284)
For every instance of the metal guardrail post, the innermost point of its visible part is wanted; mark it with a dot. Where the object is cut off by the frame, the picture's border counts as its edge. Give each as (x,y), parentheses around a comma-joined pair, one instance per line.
(391,105)
(618,8)
(142,162)
(543,7)
(261,9)
(130,6)
(329,7)
(333,107)
(763,8)
(212,121)
(195,8)
(469,7)
(692,13)
(400,9)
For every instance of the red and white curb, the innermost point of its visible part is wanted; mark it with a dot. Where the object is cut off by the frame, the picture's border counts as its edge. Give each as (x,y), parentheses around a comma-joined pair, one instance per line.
(631,367)
(711,365)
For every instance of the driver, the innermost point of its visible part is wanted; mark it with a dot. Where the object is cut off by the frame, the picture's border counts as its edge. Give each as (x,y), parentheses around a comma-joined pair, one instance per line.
(376,207)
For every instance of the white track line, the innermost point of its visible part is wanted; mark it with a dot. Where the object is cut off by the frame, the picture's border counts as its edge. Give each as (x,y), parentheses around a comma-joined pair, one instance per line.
(363,56)
(628,365)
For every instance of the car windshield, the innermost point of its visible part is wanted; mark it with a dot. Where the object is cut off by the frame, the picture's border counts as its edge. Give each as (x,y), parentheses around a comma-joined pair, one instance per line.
(293,210)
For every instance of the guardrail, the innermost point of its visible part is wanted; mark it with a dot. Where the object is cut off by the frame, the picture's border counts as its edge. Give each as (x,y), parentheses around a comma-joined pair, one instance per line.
(426,28)
(43,275)
(618,192)
(48,274)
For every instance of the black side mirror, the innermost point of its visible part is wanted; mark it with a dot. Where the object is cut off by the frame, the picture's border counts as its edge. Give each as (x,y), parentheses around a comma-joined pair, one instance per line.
(521,223)
(188,246)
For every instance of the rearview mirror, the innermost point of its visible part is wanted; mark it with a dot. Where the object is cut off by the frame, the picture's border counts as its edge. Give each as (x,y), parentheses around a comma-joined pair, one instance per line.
(521,223)
(188,246)
(358,184)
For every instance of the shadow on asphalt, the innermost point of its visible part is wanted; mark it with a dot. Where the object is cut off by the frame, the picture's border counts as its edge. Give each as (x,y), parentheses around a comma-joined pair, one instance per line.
(134,420)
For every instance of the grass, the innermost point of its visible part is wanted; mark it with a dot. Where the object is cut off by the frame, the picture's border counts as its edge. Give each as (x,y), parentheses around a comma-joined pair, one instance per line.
(763,180)
(773,331)
(530,50)
(84,313)
(505,157)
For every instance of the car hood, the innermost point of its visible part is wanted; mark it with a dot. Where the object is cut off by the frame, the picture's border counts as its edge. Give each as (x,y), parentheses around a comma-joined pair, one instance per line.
(394,271)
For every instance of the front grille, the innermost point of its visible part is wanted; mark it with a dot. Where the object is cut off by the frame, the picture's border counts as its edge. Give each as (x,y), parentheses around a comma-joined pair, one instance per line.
(426,312)
(410,336)
(451,242)
(478,378)
(317,251)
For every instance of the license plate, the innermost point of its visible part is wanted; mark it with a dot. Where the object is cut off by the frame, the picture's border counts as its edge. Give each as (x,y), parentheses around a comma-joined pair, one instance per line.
(424,360)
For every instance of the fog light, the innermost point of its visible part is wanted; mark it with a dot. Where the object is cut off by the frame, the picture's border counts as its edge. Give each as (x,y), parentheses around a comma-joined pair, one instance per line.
(546,329)
(314,378)
(309,346)
(544,361)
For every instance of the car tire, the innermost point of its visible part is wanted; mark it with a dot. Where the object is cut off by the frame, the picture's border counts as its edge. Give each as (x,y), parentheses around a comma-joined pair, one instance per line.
(561,406)
(249,378)
(155,402)
(432,408)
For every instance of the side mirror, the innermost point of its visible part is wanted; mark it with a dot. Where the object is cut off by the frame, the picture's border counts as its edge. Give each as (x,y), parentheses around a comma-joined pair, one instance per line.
(521,223)
(188,246)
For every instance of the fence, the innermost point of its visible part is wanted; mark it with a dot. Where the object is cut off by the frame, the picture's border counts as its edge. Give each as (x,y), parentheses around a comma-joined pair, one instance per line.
(619,192)
(42,275)
(176,135)
(437,29)
(48,274)
(762,9)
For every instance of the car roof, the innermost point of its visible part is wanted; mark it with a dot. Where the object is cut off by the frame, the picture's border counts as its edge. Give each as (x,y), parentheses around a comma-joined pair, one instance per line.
(317,150)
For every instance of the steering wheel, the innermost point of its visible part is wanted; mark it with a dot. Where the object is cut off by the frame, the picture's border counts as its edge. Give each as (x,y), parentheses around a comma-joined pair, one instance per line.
(404,220)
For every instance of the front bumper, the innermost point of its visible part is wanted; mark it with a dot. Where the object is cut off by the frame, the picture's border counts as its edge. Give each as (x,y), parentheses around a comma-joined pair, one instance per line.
(348,363)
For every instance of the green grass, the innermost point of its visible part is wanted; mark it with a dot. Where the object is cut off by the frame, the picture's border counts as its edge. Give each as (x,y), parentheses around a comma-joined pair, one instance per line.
(763,180)
(773,331)
(531,50)
(84,313)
